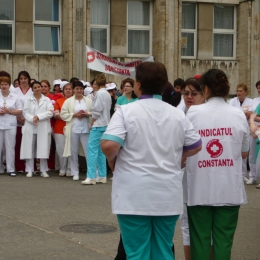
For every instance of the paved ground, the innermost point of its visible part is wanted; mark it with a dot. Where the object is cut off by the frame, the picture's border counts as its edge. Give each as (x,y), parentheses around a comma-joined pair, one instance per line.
(32,210)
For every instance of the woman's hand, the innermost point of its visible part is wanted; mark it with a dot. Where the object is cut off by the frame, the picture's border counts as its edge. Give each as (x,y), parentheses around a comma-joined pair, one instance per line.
(6,110)
(20,120)
(2,111)
(78,115)
(248,113)
(183,162)
(86,114)
(112,164)
(35,120)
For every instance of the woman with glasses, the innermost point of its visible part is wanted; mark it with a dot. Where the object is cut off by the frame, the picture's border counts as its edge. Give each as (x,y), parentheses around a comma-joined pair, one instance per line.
(128,91)
(192,96)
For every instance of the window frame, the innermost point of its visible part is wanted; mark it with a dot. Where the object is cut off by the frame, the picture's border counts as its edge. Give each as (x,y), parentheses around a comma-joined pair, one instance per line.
(225,31)
(140,28)
(12,22)
(102,26)
(194,31)
(48,24)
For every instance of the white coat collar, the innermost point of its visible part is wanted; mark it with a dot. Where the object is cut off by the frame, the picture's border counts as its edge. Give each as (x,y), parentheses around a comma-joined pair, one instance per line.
(216,100)
(42,97)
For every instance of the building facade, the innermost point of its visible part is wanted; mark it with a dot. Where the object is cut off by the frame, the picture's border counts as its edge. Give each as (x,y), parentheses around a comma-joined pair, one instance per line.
(48,37)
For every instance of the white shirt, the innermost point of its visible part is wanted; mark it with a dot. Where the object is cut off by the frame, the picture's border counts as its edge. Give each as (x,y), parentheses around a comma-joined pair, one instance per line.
(101,108)
(12,102)
(22,96)
(148,177)
(80,126)
(256,102)
(214,175)
(247,104)
(182,105)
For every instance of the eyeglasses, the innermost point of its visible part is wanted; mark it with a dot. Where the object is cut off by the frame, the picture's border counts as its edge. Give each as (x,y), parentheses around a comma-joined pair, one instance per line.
(193,94)
(127,86)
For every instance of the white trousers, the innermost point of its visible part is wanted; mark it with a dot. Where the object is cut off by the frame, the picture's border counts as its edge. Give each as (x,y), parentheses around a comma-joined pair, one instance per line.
(64,162)
(244,167)
(185,226)
(74,144)
(7,140)
(30,162)
(251,158)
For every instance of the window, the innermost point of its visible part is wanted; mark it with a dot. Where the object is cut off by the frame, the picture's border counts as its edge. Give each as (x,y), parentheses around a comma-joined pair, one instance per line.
(47,24)
(139,27)
(224,31)
(99,25)
(6,25)
(189,30)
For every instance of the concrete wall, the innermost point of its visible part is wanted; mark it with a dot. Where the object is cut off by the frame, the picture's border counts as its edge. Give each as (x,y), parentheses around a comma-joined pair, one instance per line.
(166,41)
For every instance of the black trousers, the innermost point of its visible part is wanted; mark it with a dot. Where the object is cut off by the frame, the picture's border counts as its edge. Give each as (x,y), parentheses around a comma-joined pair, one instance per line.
(121,255)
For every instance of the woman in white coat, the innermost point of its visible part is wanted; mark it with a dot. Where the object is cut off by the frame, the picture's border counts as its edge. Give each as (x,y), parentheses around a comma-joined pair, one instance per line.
(214,176)
(147,184)
(246,105)
(10,107)
(76,112)
(36,131)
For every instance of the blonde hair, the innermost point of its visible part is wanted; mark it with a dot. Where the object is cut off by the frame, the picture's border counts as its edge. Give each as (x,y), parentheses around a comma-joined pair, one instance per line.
(101,79)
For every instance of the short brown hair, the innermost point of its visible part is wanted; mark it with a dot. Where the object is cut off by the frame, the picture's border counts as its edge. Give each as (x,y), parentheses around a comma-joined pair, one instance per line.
(128,80)
(243,86)
(5,79)
(152,76)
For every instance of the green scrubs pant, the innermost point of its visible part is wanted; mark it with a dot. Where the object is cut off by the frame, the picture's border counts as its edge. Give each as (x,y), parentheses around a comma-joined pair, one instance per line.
(221,222)
(147,237)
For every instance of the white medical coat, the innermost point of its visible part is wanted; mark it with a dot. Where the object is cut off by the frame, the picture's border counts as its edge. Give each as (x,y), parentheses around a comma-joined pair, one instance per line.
(148,177)
(43,129)
(214,175)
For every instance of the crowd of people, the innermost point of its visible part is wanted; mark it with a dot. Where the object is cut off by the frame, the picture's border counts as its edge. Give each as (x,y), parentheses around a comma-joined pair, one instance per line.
(175,151)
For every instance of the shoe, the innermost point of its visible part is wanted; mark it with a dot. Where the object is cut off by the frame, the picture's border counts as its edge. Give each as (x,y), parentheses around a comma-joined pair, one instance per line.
(251,181)
(56,171)
(62,174)
(75,178)
(29,174)
(89,181)
(246,179)
(12,174)
(110,179)
(45,174)
(68,174)
(258,186)
(36,173)
(101,180)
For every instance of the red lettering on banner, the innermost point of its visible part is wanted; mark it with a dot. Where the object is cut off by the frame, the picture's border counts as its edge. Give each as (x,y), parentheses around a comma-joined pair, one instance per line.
(215,132)
(215,163)
(118,70)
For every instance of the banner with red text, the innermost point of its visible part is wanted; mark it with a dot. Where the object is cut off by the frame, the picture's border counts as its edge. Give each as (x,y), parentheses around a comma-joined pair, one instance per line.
(99,62)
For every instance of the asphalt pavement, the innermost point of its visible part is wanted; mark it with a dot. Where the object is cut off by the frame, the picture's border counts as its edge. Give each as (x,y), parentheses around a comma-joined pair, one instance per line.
(35,212)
